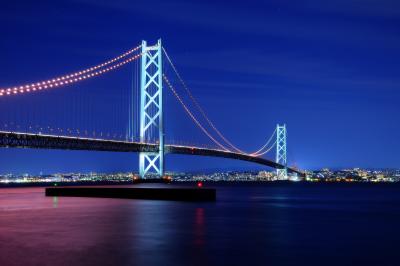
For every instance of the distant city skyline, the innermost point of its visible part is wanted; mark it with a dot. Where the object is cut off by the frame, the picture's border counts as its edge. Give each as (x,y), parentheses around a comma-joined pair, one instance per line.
(321,175)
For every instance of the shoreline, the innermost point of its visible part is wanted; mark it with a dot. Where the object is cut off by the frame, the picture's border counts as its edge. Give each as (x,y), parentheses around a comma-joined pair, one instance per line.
(194,182)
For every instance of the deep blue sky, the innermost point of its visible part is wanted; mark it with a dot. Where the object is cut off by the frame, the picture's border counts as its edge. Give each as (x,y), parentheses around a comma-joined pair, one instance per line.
(328,69)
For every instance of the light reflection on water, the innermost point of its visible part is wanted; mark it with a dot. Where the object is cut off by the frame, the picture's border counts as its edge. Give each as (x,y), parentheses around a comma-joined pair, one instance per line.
(199,227)
(55,202)
(249,224)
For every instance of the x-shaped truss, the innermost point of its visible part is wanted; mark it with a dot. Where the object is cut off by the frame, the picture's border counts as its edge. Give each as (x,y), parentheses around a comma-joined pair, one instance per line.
(281,151)
(151,108)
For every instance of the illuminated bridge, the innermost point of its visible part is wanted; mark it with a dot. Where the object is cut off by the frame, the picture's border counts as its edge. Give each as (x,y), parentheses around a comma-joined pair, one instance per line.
(21,129)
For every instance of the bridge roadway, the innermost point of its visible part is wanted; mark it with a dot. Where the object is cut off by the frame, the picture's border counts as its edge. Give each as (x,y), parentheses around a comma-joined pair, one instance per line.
(40,141)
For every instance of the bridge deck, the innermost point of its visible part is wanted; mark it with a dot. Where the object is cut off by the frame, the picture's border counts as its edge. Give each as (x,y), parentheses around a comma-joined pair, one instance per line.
(38,141)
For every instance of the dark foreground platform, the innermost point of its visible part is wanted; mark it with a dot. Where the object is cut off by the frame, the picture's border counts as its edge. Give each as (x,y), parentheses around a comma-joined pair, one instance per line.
(178,194)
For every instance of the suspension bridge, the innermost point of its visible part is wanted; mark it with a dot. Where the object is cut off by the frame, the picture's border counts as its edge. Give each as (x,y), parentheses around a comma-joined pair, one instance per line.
(141,110)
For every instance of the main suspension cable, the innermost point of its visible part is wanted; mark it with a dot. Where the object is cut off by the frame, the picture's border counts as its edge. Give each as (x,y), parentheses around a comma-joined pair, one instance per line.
(192,116)
(74,77)
(198,105)
(260,151)
(211,124)
(266,151)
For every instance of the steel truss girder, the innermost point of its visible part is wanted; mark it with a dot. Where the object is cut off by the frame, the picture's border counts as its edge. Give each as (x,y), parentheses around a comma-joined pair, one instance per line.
(37,141)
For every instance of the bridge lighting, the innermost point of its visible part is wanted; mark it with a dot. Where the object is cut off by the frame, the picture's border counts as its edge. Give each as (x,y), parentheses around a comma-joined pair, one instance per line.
(281,151)
(151,84)
(76,74)
(191,115)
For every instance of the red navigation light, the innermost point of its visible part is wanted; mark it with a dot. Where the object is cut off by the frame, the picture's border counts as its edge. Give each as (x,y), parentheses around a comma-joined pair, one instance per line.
(199,184)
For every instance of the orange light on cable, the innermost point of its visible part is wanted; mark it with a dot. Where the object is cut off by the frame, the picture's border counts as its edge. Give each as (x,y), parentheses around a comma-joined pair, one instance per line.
(76,74)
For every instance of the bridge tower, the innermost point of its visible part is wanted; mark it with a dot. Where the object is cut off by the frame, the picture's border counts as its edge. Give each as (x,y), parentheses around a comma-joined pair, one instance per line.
(281,151)
(151,109)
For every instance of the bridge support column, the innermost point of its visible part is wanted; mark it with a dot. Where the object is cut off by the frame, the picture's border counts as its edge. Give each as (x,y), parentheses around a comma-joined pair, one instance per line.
(151,109)
(281,151)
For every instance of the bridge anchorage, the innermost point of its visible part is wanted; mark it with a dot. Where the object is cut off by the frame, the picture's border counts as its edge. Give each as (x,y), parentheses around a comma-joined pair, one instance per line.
(150,145)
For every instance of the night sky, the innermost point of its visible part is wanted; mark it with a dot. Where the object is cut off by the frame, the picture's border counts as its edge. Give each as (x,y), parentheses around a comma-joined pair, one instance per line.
(328,69)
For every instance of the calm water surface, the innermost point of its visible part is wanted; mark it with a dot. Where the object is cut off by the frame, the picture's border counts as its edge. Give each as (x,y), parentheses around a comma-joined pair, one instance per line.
(269,224)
